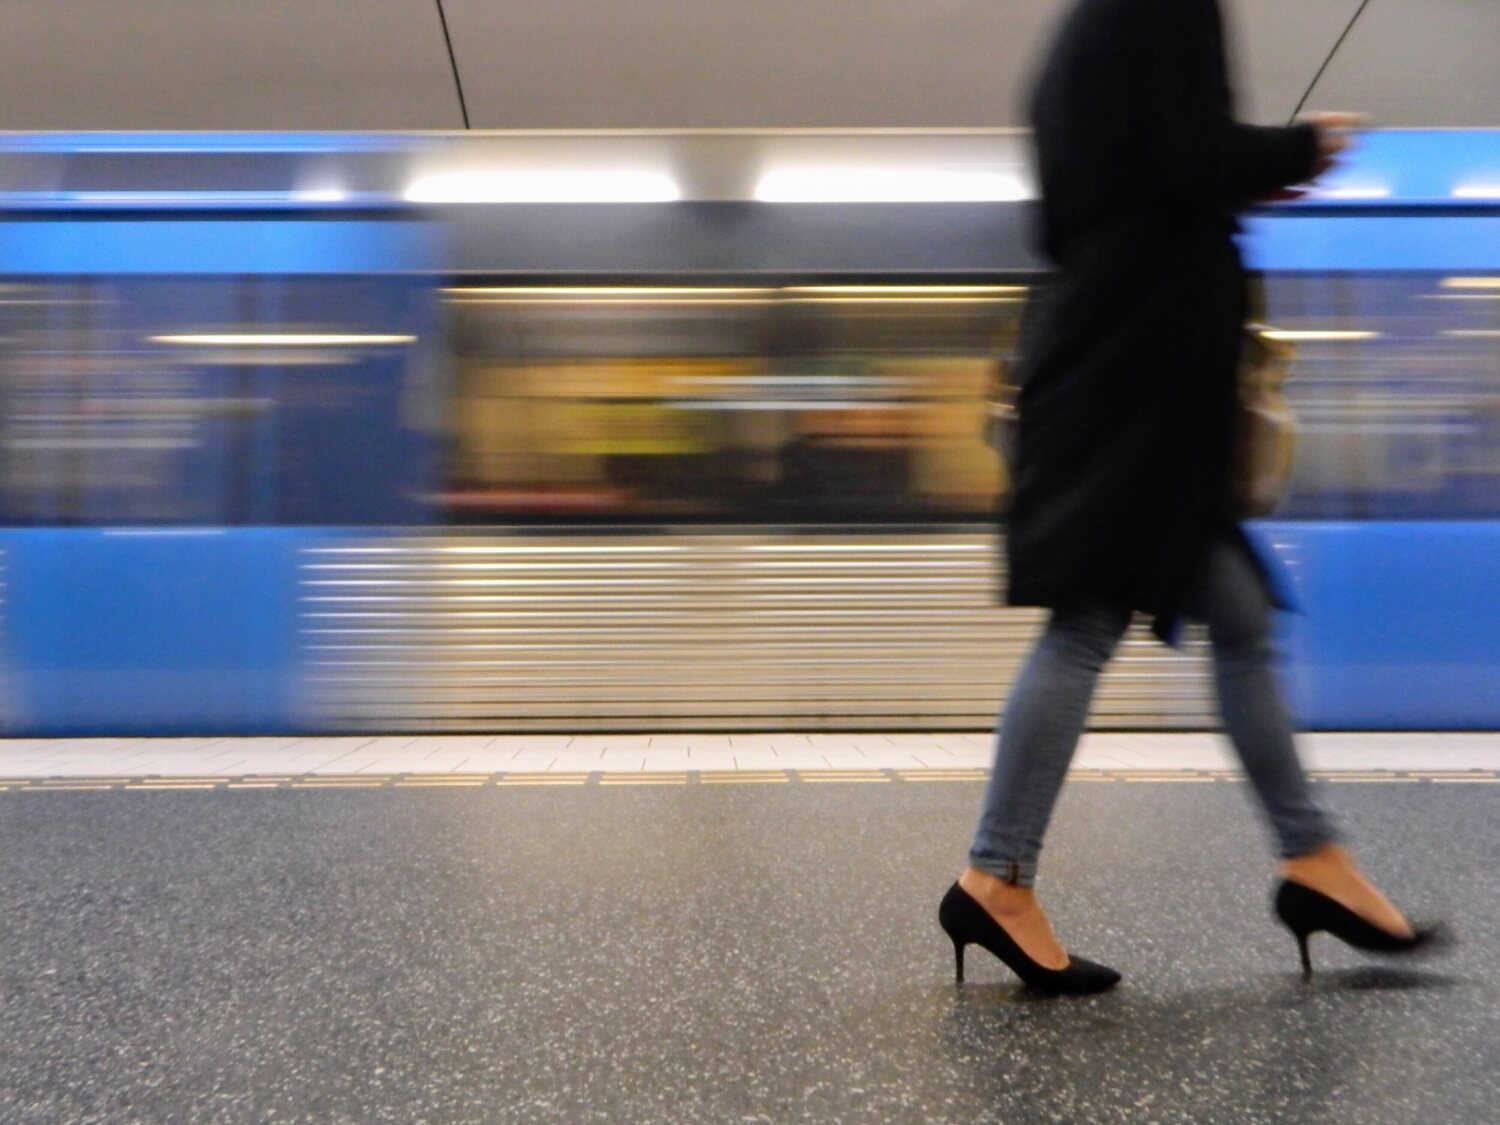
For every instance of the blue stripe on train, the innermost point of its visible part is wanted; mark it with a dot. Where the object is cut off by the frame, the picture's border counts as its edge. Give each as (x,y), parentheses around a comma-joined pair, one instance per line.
(1400,628)
(1303,243)
(171,632)
(56,246)
(183,632)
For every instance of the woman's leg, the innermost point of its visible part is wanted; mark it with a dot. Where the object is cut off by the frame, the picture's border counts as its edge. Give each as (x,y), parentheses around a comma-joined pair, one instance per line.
(1039,731)
(1234,605)
(1038,734)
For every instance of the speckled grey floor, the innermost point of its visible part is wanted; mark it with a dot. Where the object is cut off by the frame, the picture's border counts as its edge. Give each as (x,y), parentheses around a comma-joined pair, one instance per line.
(744,954)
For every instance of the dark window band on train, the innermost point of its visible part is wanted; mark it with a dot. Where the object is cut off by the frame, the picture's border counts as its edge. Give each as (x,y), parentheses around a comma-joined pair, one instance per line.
(346,401)
(254,400)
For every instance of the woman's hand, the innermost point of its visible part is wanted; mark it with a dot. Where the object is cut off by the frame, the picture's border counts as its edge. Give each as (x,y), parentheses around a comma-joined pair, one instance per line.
(1334,137)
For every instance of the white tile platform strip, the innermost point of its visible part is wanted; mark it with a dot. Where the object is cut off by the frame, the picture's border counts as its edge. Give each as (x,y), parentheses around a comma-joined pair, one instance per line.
(233,757)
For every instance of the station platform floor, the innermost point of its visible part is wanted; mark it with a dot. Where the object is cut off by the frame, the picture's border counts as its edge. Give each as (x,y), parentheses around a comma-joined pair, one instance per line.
(714,928)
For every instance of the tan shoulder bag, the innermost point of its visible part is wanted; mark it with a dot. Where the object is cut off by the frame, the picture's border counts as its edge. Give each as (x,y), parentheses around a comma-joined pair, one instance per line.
(1266,438)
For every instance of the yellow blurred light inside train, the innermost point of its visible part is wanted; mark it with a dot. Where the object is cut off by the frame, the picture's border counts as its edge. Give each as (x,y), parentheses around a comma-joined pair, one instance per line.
(1471,283)
(580,295)
(907,294)
(909,300)
(279,340)
(1295,336)
(912,290)
(602,291)
(895,294)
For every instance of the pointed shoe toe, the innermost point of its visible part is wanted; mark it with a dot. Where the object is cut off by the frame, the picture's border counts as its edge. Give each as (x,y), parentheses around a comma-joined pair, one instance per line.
(1090,976)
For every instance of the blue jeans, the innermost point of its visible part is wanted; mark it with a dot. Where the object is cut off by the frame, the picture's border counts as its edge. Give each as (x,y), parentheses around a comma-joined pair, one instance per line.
(1049,706)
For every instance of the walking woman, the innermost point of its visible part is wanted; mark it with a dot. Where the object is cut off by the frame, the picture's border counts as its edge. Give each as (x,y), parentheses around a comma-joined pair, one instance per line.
(1123,498)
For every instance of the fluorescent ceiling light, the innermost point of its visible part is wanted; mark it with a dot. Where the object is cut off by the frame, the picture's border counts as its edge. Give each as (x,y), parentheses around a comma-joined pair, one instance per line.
(1353,193)
(279,340)
(1471,283)
(888,185)
(321,195)
(1477,191)
(1320,335)
(545,187)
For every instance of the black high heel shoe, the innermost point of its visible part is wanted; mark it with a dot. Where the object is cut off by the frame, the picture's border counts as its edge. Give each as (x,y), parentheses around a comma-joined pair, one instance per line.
(1305,912)
(966,922)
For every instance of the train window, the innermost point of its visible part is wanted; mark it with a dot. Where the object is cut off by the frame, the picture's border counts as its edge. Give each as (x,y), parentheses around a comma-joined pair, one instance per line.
(870,403)
(726,403)
(337,400)
(256,400)
(1396,387)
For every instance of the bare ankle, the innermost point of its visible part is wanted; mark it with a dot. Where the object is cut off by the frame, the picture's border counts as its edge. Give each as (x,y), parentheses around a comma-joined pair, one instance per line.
(1331,870)
(1325,857)
(1019,913)
(996,893)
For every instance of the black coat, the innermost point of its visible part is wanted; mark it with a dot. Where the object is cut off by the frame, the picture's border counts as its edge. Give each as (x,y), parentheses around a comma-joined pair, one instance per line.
(1129,352)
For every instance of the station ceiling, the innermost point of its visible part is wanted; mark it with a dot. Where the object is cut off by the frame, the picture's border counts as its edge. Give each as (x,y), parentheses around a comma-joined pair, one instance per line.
(659,64)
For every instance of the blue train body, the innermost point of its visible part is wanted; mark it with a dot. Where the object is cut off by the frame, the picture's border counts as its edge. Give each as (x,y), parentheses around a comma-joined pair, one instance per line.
(193,627)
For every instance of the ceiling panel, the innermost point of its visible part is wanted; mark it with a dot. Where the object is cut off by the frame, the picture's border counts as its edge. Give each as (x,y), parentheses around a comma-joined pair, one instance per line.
(1420,62)
(382,64)
(1279,46)
(746,63)
(224,64)
(809,63)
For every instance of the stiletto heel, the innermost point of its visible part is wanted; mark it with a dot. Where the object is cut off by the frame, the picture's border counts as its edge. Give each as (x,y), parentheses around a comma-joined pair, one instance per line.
(966,922)
(1305,912)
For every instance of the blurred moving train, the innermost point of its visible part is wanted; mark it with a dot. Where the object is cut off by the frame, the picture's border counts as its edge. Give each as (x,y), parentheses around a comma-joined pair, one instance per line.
(280,458)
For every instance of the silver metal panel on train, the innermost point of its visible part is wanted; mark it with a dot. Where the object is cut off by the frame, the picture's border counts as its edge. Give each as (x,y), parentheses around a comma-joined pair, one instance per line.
(744,630)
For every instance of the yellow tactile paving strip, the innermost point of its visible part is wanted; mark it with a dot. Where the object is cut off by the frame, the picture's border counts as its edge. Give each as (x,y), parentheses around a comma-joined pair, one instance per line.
(707,777)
